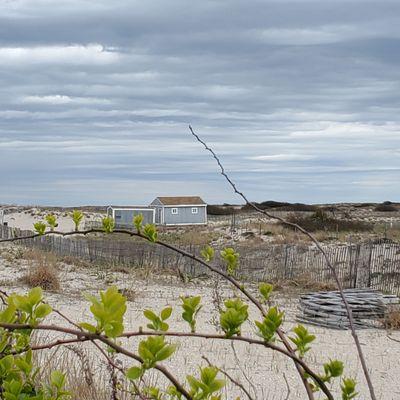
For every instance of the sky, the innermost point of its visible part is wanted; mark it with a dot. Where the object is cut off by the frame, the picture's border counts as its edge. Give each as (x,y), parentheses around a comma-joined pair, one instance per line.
(300,99)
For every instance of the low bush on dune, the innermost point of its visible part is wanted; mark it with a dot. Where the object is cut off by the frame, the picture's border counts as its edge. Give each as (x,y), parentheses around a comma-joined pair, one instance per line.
(219,210)
(42,272)
(385,207)
(280,206)
(42,276)
(321,221)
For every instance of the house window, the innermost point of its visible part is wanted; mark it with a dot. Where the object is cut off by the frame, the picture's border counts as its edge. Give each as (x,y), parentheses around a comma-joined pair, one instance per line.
(195,210)
(174,211)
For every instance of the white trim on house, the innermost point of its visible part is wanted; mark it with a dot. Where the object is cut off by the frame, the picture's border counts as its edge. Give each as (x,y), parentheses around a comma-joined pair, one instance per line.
(174,210)
(195,210)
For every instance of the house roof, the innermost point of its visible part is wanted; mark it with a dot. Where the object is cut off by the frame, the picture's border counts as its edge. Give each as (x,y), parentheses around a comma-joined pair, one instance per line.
(131,207)
(182,200)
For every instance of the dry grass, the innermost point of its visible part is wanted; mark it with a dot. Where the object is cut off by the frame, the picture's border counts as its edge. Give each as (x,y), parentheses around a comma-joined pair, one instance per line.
(196,237)
(75,261)
(79,367)
(11,253)
(392,320)
(390,232)
(42,271)
(130,294)
(302,283)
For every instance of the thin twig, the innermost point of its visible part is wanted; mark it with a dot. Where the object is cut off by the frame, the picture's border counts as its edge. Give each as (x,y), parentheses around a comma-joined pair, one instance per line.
(239,364)
(82,336)
(318,245)
(233,380)
(87,336)
(211,267)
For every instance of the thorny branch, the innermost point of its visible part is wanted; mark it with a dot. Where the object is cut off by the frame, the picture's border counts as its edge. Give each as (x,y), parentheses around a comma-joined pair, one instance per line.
(318,245)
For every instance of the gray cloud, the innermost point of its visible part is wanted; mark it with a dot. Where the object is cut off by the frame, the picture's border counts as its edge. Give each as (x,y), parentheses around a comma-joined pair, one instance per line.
(300,99)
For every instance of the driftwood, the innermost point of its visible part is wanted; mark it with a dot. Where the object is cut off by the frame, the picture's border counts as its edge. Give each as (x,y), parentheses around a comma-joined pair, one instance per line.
(327,308)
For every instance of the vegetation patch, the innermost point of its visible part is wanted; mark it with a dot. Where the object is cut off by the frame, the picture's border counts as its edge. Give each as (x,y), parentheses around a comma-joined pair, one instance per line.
(43,272)
(392,320)
(321,221)
(385,207)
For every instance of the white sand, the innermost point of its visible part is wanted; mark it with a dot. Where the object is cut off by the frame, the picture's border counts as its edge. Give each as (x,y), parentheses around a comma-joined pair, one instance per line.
(25,219)
(266,369)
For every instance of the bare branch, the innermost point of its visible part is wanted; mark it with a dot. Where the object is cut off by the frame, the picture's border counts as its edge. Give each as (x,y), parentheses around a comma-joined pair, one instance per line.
(318,245)
(214,269)
(81,336)
(233,380)
(86,336)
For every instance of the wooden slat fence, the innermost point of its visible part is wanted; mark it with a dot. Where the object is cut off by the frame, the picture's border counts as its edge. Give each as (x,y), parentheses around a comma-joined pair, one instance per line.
(365,265)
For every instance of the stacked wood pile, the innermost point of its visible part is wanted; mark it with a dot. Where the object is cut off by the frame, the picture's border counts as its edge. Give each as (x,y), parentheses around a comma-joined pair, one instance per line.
(327,308)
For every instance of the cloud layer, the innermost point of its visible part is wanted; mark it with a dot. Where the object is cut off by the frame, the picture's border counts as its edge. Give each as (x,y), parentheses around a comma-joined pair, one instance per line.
(300,99)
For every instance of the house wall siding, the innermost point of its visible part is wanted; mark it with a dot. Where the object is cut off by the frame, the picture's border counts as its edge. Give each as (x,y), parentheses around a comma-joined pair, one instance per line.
(156,202)
(158,211)
(185,215)
(125,217)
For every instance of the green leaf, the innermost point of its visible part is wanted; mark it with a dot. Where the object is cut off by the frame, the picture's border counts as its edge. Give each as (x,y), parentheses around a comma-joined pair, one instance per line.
(134,373)
(348,389)
(150,315)
(77,217)
(43,310)
(51,221)
(164,326)
(150,232)
(57,379)
(333,369)
(165,352)
(108,312)
(207,385)
(208,253)
(166,313)
(191,306)
(231,258)
(108,224)
(266,290)
(138,222)
(232,318)
(35,296)
(7,362)
(271,323)
(88,327)
(302,339)
(40,227)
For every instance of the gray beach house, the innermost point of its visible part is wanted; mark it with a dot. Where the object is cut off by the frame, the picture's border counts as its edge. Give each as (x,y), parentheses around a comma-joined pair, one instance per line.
(186,210)
(170,211)
(123,215)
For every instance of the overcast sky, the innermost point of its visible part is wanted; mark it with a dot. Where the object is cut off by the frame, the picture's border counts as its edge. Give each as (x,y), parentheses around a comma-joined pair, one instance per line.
(301,100)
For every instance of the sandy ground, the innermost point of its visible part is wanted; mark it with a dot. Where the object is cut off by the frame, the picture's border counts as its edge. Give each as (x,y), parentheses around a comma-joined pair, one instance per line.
(25,219)
(270,373)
